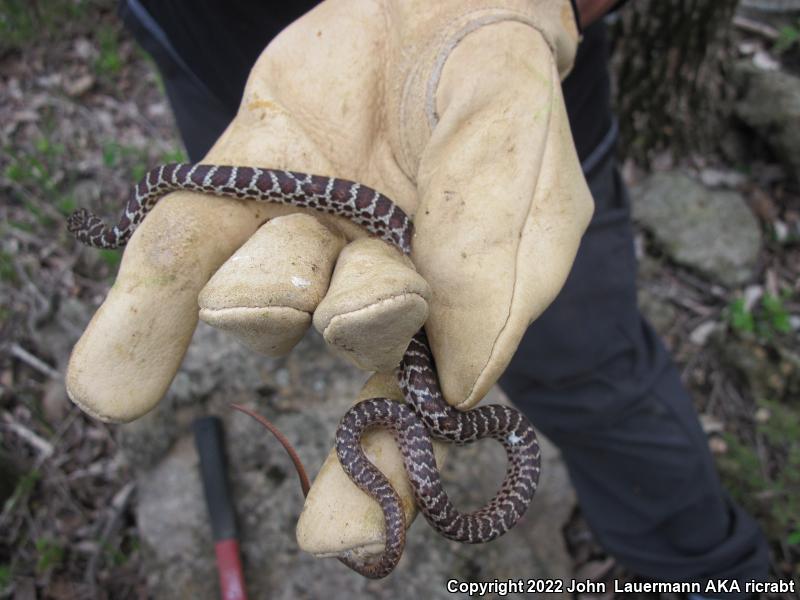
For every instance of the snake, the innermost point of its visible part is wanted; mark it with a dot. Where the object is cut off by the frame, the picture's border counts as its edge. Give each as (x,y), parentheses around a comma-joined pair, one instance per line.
(424,416)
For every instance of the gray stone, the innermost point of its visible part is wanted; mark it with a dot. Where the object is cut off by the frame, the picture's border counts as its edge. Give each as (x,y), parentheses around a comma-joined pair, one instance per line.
(145,441)
(215,367)
(711,231)
(306,395)
(770,105)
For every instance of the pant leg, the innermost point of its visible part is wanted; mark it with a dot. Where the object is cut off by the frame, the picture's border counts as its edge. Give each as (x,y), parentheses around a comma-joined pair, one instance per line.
(200,113)
(590,373)
(595,378)
(204,51)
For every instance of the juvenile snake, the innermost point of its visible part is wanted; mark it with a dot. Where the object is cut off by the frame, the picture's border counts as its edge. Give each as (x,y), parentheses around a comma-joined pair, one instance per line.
(424,416)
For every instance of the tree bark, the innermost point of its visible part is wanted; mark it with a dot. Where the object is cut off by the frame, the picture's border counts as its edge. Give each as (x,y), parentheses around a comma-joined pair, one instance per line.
(672,92)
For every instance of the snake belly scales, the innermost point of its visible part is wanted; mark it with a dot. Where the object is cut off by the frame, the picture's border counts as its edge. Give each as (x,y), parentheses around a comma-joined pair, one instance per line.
(424,416)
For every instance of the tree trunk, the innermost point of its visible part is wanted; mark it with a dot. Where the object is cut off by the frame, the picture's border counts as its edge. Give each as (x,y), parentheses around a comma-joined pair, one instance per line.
(671,87)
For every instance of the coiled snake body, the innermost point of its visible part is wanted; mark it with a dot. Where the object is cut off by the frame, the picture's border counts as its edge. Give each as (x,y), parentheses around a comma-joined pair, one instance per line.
(425,415)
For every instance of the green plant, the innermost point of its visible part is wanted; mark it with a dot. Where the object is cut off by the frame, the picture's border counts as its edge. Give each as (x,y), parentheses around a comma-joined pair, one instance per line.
(109,60)
(768,318)
(35,168)
(37,172)
(740,318)
(111,257)
(5,576)
(788,36)
(7,272)
(176,155)
(113,555)
(23,490)
(112,152)
(27,227)
(138,170)
(50,554)
(776,316)
(17,23)
(21,21)
(115,154)
(768,482)
(66,205)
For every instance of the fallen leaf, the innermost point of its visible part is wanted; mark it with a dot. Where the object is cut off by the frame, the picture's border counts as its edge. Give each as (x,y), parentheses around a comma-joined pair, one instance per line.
(762,415)
(717,445)
(711,424)
(79,86)
(763,205)
(700,334)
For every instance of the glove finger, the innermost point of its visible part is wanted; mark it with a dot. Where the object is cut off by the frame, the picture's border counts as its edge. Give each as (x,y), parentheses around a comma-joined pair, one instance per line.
(501,182)
(267,291)
(375,304)
(338,517)
(126,359)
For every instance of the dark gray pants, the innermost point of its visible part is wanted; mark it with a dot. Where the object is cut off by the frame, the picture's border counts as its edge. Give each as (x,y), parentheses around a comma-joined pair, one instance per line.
(590,373)
(595,378)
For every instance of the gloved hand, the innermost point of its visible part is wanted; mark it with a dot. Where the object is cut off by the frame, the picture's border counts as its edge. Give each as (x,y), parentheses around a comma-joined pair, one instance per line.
(453,109)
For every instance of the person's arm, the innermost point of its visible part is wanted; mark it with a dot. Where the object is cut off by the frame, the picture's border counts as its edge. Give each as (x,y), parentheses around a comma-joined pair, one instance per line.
(591,10)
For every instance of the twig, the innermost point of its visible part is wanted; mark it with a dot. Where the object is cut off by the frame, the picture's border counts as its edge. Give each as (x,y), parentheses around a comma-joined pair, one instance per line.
(688,303)
(34,362)
(40,304)
(118,504)
(699,285)
(753,26)
(713,397)
(23,236)
(44,447)
(694,358)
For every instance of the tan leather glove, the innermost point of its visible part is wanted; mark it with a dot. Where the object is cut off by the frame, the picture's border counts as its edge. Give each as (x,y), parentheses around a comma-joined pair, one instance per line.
(454,110)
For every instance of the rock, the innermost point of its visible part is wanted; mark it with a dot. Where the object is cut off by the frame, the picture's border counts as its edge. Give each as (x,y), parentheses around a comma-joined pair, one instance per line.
(305,395)
(711,231)
(215,367)
(172,521)
(764,61)
(145,441)
(770,105)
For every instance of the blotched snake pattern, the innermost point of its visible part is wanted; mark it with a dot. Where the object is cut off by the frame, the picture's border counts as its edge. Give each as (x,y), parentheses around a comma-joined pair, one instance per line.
(425,415)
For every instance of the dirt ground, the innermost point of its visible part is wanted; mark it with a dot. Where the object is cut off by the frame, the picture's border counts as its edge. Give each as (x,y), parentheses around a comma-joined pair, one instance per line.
(83,115)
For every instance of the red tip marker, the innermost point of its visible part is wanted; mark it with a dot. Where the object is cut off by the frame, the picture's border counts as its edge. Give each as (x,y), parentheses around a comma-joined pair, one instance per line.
(210,447)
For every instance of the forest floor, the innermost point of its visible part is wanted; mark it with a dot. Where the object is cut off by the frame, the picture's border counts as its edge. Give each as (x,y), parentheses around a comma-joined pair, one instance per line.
(83,115)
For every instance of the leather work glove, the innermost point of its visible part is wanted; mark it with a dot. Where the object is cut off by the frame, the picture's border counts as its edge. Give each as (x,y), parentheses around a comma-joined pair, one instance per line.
(453,109)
